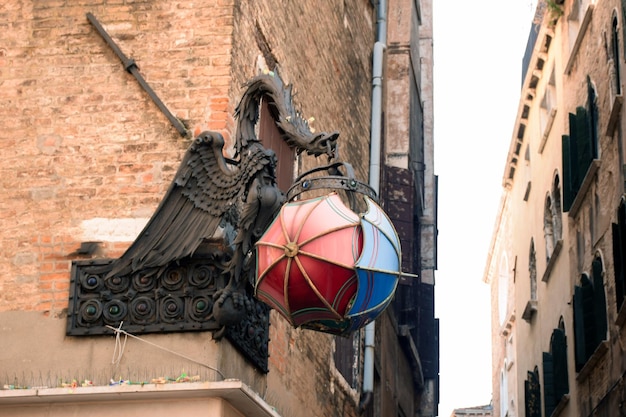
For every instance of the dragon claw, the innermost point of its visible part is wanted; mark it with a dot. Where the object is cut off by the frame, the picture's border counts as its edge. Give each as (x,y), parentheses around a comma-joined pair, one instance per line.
(230,306)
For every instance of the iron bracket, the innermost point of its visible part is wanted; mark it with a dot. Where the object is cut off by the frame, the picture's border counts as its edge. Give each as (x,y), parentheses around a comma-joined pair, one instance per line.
(131,67)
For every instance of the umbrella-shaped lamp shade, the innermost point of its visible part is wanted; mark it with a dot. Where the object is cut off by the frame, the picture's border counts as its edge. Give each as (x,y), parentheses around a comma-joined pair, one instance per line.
(325,268)
(305,260)
(378,267)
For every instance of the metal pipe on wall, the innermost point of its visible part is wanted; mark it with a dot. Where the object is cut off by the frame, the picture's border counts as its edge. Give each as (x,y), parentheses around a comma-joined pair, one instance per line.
(374,176)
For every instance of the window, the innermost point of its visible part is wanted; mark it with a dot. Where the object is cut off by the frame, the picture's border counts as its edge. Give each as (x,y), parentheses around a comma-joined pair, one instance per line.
(555,376)
(531,306)
(616,84)
(580,147)
(503,288)
(532,394)
(553,227)
(347,358)
(548,227)
(580,249)
(619,254)
(590,321)
(592,108)
(509,349)
(504,392)
(594,218)
(615,79)
(528,172)
(573,23)
(532,269)
(557,210)
(623,20)
(548,106)
(578,19)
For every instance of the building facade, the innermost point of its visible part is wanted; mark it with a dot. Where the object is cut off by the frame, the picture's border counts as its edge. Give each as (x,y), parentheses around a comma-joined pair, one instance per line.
(88,155)
(555,262)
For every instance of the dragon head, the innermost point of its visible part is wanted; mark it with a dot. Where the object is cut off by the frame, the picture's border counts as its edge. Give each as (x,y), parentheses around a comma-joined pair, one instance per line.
(322,143)
(294,128)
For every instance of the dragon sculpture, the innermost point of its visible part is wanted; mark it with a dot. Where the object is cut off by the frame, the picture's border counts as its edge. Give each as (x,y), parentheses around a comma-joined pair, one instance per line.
(231,199)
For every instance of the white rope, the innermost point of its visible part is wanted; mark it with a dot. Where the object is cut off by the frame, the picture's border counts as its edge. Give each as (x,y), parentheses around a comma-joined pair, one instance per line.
(119,346)
(119,331)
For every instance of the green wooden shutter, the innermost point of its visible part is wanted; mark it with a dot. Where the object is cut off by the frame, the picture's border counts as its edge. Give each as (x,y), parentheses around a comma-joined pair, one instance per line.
(619,255)
(584,143)
(558,346)
(548,384)
(624,26)
(527,403)
(592,120)
(532,391)
(579,329)
(589,319)
(615,48)
(578,149)
(618,265)
(574,149)
(599,301)
(568,194)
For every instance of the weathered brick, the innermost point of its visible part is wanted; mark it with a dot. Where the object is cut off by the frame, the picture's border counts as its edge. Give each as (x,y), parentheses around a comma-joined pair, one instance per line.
(58,276)
(87,142)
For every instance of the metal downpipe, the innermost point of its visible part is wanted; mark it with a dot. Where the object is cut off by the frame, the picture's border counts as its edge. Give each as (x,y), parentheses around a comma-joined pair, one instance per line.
(374,180)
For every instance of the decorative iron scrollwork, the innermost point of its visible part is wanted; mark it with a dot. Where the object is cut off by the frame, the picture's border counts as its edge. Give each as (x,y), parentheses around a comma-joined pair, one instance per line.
(179,299)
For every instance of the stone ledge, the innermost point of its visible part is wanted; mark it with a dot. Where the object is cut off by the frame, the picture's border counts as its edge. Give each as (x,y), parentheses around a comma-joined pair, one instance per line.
(238,394)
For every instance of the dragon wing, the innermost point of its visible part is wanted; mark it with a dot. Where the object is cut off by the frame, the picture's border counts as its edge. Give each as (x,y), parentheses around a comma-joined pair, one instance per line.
(205,190)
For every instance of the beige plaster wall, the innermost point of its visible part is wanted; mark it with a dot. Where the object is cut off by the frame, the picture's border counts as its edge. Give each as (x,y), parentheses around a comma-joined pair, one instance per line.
(521,220)
(211,407)
(37,352)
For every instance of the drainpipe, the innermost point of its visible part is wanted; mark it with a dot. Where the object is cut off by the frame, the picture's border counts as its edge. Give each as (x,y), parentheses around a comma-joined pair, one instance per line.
(377,94)
(374,178)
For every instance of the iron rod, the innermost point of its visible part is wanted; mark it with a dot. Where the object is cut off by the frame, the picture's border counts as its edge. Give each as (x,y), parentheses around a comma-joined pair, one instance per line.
(131,67)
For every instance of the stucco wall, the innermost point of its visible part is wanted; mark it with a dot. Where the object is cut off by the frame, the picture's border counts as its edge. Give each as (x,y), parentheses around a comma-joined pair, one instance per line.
(196,407)
(586,228)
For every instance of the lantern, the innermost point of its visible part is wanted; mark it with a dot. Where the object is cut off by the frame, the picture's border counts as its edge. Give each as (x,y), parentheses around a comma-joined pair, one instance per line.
(378,268)
(326,268)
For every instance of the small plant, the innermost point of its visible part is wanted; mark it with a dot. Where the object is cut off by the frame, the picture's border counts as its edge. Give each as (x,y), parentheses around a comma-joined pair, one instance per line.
(555,9)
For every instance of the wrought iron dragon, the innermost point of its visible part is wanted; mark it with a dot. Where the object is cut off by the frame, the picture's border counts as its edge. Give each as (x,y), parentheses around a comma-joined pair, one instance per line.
(212,196)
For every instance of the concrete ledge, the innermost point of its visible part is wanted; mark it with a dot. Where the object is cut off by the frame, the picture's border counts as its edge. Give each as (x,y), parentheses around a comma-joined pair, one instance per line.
(235,392)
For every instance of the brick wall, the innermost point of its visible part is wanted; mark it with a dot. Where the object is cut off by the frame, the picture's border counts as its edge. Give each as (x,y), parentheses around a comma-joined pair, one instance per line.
(81,139)
(599,206)
(323,49)
(85,155)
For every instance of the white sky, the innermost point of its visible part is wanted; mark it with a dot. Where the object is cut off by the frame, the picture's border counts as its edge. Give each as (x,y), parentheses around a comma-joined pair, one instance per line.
(478,51)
